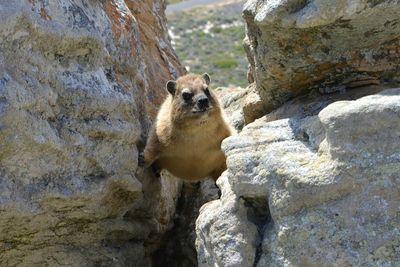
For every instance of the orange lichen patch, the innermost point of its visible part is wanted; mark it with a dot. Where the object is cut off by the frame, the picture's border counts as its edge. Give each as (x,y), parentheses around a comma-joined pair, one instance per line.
(44,14)
(158,51)
(149,26)
(325,67)
(120,16)
(300,80)
(306,39)
(277,72)
(121,80)
(310,60)
(300,49)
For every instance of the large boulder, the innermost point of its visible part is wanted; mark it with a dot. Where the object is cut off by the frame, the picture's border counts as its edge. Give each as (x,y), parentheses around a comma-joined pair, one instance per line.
(296,46)
(77,82)
(311,191)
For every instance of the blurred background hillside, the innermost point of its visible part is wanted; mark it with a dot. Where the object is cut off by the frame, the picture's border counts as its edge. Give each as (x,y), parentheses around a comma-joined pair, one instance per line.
(207,36)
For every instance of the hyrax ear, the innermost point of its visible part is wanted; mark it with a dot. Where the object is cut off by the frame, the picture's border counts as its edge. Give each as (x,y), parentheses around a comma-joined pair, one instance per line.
(207,78)
(171,87)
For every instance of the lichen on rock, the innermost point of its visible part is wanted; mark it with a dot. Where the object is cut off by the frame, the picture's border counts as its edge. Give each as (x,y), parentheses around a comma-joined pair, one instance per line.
(297,46)
(312,182)
(80,83)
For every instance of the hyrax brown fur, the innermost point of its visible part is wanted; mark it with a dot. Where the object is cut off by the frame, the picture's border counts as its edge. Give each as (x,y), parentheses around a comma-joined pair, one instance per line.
(190,126)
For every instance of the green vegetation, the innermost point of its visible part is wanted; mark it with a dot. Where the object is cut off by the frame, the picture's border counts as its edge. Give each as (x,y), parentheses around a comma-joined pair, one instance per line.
(224,62)
(169,2)
(210,40)
(216,29)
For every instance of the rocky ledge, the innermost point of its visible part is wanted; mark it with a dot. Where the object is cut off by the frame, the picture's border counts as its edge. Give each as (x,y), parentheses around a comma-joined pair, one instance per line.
(309,191)
(296,46)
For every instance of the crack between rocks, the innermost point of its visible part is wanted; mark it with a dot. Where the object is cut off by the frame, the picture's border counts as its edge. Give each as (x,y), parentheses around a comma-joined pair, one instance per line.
(259,214)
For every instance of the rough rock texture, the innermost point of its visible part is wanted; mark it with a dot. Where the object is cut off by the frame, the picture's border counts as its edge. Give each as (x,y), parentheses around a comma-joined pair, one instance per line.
(225,236)
(295,46)
(77,80)
(178,247)
(231,99)
(321,190)
(311,104)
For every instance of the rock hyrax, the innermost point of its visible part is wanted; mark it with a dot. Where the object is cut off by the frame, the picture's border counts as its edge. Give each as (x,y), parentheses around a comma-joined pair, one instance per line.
(186,137)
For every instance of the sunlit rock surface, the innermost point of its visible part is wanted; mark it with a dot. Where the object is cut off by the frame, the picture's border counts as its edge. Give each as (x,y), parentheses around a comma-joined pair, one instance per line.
(80,82)
(296,46)
(309,191)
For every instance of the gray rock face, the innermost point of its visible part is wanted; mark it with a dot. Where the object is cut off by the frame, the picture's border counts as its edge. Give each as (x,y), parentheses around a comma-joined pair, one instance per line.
(321,190)
(224,235)
(296,46)
(77,80)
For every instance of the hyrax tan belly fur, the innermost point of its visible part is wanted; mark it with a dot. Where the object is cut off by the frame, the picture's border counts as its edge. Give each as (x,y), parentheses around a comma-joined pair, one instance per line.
(190,126)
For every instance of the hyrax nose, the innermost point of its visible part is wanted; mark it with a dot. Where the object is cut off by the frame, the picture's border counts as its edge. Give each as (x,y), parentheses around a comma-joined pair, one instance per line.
(203,102)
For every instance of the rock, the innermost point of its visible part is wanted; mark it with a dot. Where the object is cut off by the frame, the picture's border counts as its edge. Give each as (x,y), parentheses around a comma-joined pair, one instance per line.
(231,99)
(77,82)
(377,133)
(319,189)
(253,105)
(178,247)
(297,46)
(312,103)
(224,235)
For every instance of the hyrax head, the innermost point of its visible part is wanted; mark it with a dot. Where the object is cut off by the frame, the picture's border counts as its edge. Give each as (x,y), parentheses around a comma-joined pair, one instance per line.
(191,96)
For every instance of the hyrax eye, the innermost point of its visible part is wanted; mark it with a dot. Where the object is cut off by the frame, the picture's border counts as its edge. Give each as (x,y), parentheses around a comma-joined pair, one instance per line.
(186,96)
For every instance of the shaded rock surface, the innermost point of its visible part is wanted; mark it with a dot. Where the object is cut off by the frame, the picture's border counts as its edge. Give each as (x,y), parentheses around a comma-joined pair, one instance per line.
(310,190)
(312,103)
(178,245)
(295,46)
(80,82)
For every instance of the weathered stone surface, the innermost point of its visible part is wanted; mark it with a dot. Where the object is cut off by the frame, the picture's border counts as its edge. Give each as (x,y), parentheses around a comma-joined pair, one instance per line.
(312,103)
(295,46)
(178,246)
(224,235)
(231,99)
(328,183)
(77,80)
